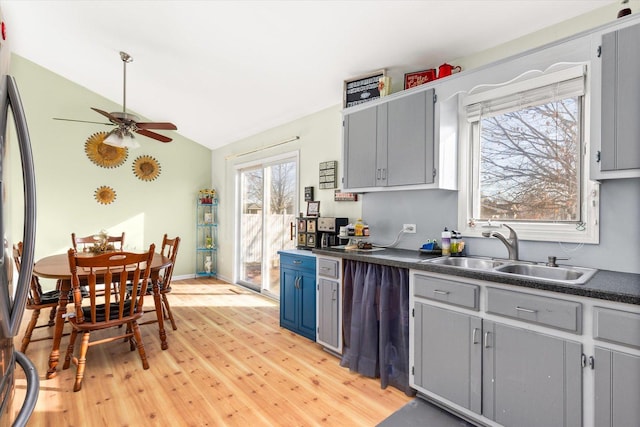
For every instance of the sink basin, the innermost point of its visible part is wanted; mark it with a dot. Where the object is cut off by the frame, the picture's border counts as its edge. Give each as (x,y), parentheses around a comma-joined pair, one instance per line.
(466,262)
(564,274)
(575,275)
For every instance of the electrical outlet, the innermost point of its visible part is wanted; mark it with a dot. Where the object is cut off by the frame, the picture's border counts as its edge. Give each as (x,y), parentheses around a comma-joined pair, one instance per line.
(409,228)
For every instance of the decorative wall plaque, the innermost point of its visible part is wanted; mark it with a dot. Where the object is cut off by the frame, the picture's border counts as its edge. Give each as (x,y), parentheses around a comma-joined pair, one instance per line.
(328,174)
(105,195)
(104,155)
(146,168)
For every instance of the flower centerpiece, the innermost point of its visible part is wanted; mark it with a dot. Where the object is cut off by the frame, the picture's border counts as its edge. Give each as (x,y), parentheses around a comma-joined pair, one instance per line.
(101,244)
(207,195)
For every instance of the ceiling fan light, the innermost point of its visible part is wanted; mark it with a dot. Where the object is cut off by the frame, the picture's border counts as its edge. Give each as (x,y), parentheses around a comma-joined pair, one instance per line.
(118,138)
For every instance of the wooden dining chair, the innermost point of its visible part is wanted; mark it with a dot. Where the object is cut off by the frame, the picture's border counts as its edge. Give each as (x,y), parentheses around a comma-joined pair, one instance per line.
(169,250)
(36,300)
(82,243)
(100,312)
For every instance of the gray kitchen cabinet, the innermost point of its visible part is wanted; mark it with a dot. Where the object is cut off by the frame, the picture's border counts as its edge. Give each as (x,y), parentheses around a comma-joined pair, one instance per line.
(616,372)
(620,135)
(529,378)
(391,143)
(448,354)
(497,371)
(329,303)
(359,157)
(617,388)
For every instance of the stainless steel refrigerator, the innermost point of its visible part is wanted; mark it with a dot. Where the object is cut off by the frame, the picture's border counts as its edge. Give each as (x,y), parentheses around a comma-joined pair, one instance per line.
(14,144)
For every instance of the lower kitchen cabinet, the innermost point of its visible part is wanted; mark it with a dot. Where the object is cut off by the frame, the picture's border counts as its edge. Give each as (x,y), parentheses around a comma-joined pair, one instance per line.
(329,303)
(496,371)
(448,354)
(616,367)
(298,293)
(529,378)
(617,388)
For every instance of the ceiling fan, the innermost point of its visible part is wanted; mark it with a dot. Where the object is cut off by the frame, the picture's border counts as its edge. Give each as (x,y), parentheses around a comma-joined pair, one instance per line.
(128,124)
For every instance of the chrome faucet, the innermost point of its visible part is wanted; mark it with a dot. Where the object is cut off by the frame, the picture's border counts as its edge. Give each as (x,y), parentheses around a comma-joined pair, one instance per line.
(511,243)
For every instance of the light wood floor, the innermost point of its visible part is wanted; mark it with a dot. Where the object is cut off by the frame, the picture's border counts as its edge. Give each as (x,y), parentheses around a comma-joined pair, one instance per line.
(228,364)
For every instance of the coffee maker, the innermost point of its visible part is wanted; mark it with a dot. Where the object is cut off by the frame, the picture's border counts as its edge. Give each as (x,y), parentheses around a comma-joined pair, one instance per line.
(329,229)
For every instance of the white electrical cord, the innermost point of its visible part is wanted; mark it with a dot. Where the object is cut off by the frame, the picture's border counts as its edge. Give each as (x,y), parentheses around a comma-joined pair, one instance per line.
(392,244)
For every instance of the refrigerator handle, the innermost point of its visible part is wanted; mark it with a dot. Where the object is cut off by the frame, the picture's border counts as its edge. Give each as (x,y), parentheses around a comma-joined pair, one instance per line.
(28,178)
(33,388)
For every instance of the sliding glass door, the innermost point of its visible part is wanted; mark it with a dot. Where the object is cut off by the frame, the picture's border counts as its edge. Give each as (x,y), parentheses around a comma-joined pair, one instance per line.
(267,202)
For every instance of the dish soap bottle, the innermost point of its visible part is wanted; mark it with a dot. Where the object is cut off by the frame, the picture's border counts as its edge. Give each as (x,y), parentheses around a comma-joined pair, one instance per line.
(446,242)
(359,228)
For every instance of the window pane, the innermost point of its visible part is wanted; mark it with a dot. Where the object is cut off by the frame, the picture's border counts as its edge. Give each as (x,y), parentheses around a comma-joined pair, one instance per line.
(251,226)
(529,163)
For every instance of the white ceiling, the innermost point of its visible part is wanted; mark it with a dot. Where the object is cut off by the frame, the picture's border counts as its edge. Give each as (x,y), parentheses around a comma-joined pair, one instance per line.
(225,70)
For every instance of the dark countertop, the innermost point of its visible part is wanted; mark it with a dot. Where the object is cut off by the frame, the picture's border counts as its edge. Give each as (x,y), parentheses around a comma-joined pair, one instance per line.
(605,284)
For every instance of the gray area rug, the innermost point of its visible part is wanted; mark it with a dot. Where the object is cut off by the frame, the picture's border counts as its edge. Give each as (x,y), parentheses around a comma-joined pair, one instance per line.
(419,412)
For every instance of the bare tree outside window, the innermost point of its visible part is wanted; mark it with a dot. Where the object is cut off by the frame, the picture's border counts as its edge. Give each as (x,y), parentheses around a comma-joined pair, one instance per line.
(530,163)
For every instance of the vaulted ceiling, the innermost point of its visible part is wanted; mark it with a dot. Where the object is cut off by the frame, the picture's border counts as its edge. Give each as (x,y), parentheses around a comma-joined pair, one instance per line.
(225,70)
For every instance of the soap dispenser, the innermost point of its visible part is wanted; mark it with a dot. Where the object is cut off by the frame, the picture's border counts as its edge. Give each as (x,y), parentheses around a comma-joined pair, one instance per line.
(446,242)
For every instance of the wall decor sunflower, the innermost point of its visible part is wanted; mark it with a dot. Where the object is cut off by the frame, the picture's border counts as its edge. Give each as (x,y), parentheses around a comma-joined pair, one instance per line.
(105,195)
(104,155)
(146,168)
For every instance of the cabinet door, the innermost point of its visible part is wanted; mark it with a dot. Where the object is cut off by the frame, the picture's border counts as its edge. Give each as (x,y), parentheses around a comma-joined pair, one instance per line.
(359,144)
(409,130)
(328,327)
(530,379)
(620,145)
(617,388)
(288,299)
(448,354)
(307,305)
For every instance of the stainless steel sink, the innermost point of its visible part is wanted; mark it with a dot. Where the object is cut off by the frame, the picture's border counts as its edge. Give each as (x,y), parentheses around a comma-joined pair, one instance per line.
(575,275)
(466,262)
(560,274)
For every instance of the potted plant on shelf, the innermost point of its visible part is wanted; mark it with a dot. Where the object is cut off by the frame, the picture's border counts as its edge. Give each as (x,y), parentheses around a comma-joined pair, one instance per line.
(206,195)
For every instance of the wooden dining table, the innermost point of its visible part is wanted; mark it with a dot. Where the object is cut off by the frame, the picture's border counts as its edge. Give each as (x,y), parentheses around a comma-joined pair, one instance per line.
(57,267)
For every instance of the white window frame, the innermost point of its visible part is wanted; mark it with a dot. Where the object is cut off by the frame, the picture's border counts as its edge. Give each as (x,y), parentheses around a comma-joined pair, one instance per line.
(589,230)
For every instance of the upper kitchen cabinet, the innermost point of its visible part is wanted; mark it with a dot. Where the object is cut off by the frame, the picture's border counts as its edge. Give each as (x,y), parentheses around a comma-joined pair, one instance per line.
(619,153)
(391,144)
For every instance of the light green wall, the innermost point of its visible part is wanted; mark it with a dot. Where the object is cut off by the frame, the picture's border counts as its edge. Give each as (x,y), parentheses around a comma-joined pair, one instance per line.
(321,137)
(66,179)
(320,141)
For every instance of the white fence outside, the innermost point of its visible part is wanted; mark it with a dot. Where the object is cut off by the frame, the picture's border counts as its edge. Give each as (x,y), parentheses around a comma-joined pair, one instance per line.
(278,233)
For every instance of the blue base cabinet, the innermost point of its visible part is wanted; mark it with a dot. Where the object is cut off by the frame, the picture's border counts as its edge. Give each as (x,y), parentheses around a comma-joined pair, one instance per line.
(298,292)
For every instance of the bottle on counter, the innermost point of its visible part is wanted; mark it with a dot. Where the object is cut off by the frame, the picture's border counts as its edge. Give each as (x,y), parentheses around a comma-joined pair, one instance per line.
(454,248)
(365,230)
(359,228)
(445,242)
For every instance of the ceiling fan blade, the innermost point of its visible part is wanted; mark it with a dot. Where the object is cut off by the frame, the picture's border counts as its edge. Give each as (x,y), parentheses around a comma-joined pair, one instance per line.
(156,125)
(109,116)
(82,121)
(153,135)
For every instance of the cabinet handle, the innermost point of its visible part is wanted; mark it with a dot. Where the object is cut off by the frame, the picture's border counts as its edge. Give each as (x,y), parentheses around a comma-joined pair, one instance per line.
(526,310)
(475,335)
(291,230)
(486,340)
(296,283)
(384,173)
(439,292)
(377,173)
(297,261)
(333,296)
(325,268)
(592,362)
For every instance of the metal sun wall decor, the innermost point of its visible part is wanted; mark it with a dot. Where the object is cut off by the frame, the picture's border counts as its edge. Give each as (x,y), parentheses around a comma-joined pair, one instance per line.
(105,195)
(104,155)
(146,168)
